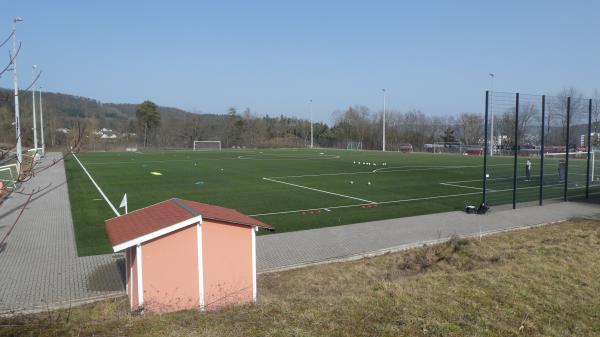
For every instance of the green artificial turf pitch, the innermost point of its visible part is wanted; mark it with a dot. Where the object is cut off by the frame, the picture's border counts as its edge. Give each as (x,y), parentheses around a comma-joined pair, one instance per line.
(298,189)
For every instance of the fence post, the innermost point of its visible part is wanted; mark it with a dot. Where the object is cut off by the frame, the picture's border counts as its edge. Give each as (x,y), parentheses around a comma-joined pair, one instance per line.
(542,151)
(589,151)
(485,147)
(567,149)
(514,199)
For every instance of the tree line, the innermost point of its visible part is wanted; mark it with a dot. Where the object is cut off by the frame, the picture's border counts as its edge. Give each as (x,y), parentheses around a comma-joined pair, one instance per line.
(118,126)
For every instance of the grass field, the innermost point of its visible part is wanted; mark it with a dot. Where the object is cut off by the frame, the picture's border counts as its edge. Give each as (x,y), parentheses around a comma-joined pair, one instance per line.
(537,282)
(297,189)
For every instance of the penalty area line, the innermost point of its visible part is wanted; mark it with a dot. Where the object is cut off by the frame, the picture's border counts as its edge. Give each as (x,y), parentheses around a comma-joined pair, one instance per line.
(371,203)
(318,190)
(461,186)
(97,187)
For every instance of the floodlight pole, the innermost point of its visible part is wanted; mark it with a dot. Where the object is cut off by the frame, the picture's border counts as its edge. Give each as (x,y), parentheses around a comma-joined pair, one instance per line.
(42,124)
(492,116)
(16,92)
(311,122)
(383,136)
(35,141)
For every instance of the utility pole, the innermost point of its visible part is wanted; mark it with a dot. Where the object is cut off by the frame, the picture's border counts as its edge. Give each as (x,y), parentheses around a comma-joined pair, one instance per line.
(383,137)
(16,91)
(42,124)
(492,144)
(311,123)
(35,142)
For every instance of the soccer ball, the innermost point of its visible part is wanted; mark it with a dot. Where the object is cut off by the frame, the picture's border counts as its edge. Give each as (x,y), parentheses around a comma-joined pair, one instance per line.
(369,183)
(351,182)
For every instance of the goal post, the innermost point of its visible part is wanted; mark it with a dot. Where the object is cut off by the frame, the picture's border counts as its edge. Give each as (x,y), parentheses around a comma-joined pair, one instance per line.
(207,145)
(446,147)
(354,146)
(9,175)
(577,162)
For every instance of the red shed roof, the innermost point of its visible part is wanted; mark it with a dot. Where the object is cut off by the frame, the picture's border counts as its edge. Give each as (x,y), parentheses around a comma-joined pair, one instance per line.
(167,216)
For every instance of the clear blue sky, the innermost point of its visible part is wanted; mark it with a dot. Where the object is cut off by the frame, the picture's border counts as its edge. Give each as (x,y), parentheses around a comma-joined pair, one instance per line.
(273,56)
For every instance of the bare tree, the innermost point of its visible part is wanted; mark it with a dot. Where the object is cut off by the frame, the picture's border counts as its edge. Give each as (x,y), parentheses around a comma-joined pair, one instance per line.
(472,127)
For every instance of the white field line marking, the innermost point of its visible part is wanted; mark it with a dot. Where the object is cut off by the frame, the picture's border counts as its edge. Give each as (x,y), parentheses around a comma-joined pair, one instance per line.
(257,157)
(97,187)
(504,190)
(323,174)
(504,178)
(461,186)
(157,161)
(371,203)
(135,162)
(405,169)
(318,190)
(405,200)
(425,168)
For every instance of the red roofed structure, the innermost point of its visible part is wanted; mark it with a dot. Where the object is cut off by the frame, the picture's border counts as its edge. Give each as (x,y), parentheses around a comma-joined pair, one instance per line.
(183,254)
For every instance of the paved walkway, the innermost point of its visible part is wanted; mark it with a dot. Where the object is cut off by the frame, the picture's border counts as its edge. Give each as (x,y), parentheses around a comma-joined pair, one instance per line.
(296,249)
(39,266)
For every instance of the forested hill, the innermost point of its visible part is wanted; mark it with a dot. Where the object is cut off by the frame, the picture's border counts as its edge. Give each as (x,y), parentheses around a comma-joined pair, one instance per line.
(177,128)
(67,108)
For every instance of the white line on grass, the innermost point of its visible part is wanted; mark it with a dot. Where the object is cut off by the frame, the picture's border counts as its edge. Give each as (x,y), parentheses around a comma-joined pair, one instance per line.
(275,157)
(405,200)
(97,187)
(426,168)
(404,169)
(371,203)
(461,186)
(318,190)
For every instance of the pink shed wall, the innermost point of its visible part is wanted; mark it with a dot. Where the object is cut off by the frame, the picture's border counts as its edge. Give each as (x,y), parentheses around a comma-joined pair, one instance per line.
(170,271)
(227,261)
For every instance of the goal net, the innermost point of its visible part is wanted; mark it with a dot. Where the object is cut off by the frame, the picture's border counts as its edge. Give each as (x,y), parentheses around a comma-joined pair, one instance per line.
(207,145)
(577,164)
(447,147)
(354,146)
(9,175)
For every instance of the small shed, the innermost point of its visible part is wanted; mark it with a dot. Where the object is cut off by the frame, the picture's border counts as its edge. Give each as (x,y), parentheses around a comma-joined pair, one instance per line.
(183,254)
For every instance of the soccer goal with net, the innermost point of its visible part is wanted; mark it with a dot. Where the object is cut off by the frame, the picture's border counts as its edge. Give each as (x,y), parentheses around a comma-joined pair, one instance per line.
(207,145)
(9,175)
(448,147)
(577,163)
(354,146)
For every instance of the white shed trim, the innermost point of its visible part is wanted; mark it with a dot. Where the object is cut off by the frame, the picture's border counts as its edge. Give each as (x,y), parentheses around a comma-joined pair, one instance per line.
(200,267)
(155,234)
(140,280)
(254,229)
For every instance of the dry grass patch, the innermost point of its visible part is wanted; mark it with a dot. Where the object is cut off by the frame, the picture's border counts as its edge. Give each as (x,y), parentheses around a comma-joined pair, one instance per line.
(537,282)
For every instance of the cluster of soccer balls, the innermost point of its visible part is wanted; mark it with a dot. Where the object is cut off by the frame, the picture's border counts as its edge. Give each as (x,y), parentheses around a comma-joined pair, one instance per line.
(352,182)
(368,163)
